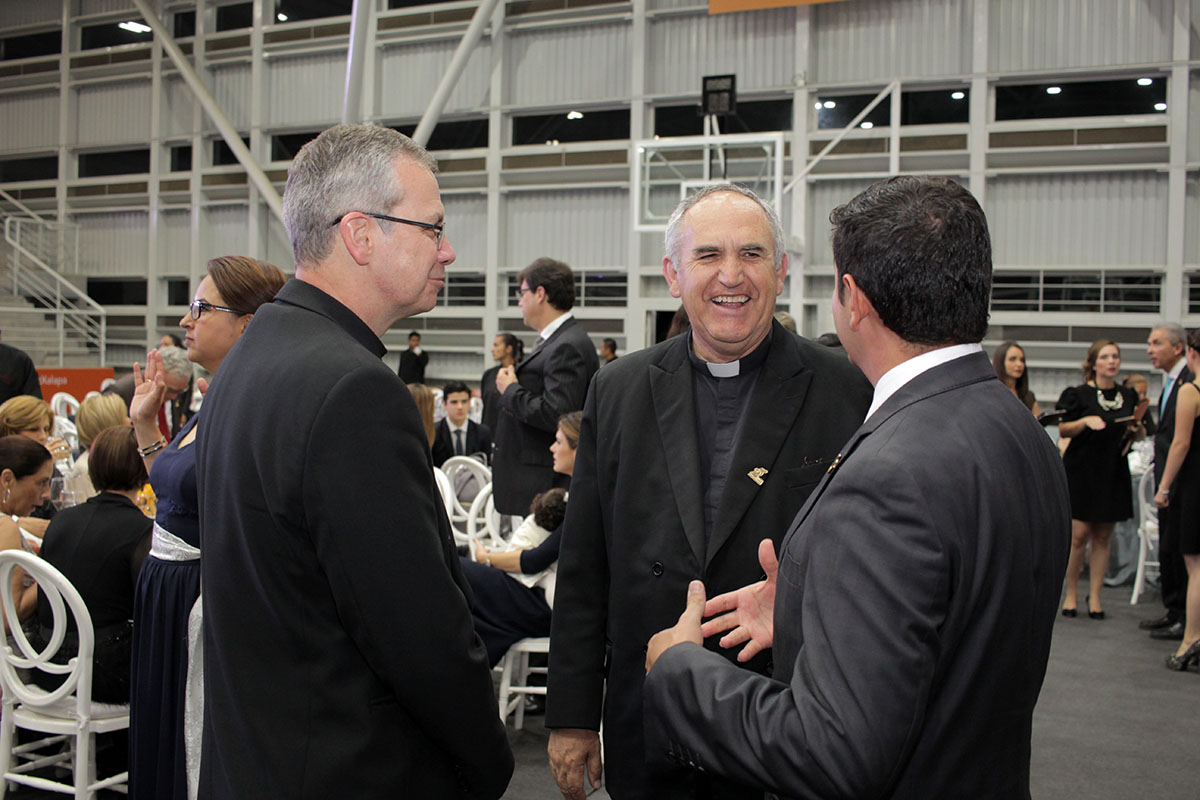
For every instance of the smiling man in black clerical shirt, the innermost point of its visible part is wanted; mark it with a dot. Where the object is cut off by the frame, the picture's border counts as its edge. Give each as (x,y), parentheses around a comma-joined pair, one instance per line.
(690,453)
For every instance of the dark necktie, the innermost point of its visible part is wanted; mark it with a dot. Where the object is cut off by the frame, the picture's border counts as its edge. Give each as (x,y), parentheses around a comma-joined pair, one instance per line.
(459,447)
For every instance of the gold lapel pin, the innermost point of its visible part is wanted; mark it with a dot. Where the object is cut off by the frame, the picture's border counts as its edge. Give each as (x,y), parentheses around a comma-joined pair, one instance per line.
(835,463)
(756,475)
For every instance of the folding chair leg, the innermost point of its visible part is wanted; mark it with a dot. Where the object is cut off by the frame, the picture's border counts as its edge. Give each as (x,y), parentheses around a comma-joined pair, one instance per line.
(6,745)
(506,685)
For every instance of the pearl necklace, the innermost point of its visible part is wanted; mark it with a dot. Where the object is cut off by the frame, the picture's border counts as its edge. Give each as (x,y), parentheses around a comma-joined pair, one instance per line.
(1109,405)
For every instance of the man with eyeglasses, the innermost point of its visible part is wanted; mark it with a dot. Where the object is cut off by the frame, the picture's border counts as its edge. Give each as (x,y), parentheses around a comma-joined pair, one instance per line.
(551,381)
(177,371)
(323,527)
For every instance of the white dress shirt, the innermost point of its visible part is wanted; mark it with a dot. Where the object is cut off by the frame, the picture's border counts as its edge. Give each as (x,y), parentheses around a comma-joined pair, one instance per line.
(896,377)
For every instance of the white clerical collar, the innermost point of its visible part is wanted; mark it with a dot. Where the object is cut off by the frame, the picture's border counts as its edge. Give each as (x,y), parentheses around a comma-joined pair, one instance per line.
(729,370)
(553,325)
(896,377)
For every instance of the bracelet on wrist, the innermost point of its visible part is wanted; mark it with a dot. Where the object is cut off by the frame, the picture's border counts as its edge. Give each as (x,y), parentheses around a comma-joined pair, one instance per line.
(151,449)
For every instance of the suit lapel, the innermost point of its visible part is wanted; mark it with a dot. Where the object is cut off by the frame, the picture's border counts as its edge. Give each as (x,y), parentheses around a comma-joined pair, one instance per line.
(537,350)
(675,408)
(776,401)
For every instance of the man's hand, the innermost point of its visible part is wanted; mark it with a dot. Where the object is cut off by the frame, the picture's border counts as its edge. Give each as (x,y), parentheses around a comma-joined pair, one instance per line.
(574,751)
(749,611)
(687,629)
(506,377)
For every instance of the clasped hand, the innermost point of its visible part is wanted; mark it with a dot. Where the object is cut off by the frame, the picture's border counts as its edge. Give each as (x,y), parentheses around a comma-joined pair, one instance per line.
(747,613)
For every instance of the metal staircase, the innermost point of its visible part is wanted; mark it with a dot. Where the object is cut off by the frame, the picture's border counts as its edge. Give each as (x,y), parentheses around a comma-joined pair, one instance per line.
(41,312)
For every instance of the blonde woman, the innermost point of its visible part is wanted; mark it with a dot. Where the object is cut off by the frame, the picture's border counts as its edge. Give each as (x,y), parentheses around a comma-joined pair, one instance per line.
(423,396)
(96,414)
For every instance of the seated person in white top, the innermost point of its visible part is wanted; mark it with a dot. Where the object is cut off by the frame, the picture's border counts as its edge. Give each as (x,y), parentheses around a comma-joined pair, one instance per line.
(456,434)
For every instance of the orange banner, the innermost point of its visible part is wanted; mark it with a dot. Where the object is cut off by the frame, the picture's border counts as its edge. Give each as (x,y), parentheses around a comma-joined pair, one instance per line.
(728,6)
(75,381)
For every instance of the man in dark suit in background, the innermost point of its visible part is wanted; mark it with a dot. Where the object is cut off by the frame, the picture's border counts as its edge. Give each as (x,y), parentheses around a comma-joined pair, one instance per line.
(1166,347)
(323,528)
(17,374)
(413,361)
(550,382)
(457,434)
(912,604)
(690,452)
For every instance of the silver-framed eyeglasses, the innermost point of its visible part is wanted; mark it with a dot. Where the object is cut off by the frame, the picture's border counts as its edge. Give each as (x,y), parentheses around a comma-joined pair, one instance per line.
(200,307)
(439,229)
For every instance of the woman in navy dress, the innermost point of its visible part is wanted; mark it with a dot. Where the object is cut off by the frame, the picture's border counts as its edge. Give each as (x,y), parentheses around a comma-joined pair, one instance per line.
(161,750)
(1101,418)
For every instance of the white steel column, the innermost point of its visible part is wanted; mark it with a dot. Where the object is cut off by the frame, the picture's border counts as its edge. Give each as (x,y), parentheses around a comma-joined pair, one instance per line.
(256,233)
(65,161)
(196,264)
(798,227)
(155,290)
(458,63)
(637,333)
(1173,302)
(980,104)
(494,287)
(352,97)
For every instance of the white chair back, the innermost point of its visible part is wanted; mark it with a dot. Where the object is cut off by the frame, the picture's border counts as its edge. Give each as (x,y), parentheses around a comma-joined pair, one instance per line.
(482,475)
(67,431)
(1147,534)
(64,404)
(476,412)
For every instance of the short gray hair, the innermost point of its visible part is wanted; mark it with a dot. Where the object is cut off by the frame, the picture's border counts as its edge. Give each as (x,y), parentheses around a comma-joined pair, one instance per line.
(1174,331)
(175,361)
(347,168)
(674,233)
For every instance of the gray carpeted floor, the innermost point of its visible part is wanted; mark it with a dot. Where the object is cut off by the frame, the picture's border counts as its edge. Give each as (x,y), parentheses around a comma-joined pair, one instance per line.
(1112,723)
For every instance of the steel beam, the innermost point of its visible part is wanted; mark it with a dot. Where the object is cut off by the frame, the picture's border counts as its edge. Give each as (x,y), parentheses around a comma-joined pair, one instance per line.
(359,25)
(224,125)
(449,80)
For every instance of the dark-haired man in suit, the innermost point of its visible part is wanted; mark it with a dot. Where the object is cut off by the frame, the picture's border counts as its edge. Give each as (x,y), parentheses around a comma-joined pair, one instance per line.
(549,382)
(911,606)
(690,452)
(457,434)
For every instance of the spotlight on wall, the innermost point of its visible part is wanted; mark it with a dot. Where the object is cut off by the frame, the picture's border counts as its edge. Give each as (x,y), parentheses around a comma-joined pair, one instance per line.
(866,126)
(1145,81)
(1053,90)
(134,27)
(957,95)
(574,115)
(829,104)
(281,17)
(1160,106)
(817,105)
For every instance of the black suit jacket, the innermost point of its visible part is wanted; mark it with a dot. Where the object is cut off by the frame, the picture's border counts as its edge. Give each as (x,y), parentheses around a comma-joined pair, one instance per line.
(551,382)
(916,597)
(634,534)
(478,440)
(1166,426)
(340,655)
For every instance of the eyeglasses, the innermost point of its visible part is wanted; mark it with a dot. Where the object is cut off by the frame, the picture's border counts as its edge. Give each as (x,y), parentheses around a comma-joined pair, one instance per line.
(199,307)
(439,229)
(519,293)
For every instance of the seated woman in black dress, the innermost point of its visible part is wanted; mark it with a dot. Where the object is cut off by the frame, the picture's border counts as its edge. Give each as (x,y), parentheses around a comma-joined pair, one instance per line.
(100,546)
(1179,496)
(514,606)
(1101,418)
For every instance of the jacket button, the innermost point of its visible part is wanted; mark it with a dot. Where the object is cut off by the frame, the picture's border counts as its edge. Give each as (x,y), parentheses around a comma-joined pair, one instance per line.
(656,568)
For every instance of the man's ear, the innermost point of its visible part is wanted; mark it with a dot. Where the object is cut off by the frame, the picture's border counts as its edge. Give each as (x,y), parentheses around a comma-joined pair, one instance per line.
(355,233)
(857,304)
(672,276)
(781,274)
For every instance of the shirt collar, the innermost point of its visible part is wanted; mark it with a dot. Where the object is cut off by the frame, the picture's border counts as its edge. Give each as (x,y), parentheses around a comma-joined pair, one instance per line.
(896,377)
(554,325)
(454,427)
(1174,371)
(299,293)
(746,364)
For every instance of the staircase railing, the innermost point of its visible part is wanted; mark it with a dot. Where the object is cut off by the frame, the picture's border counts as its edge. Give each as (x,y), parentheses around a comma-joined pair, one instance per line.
(35,245)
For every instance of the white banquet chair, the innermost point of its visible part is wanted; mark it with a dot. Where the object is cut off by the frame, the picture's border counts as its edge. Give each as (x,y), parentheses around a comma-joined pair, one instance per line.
(1147,534)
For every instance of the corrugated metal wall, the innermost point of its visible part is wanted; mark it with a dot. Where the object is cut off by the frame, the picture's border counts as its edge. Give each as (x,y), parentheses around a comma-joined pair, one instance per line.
(466,229)
(568,64)
(1191,246)
(823,197)
(409,74)
(224,230)
(14,13)
(279,246)
(759,47)
(112,113)
(177,104)
(1104,218)
(883,39)
(104,6)
(231,87)
(113,244)
(1048,34)
(1194,110)
(585,228)
(29,120)
(174,250)
(306,89)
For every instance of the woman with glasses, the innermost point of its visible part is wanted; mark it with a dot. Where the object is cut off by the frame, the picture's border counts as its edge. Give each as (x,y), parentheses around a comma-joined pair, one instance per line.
(169,583)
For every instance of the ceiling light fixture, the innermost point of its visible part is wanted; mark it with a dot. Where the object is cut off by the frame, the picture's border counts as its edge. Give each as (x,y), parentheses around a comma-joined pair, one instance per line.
(281,17)
(134,27)
(574,115)
(1145,81)
(957,95)
(829,104)
(1160,106)
(866,126)
(1053,90)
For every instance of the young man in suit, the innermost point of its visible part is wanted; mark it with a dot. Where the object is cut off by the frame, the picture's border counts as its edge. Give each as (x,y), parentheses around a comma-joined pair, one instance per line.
(1166,347)
(457,434)
(323,527)
(911,606)
(551,381)
(413,361)
(690,452)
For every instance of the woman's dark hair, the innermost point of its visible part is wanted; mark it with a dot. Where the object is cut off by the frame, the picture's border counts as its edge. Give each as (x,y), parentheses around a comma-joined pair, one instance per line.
(518,347)
(1093,353)
(245,283)
(1193,339)
(549,508)
(114,463)
(1022,383)
(569,425)
(22,455)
